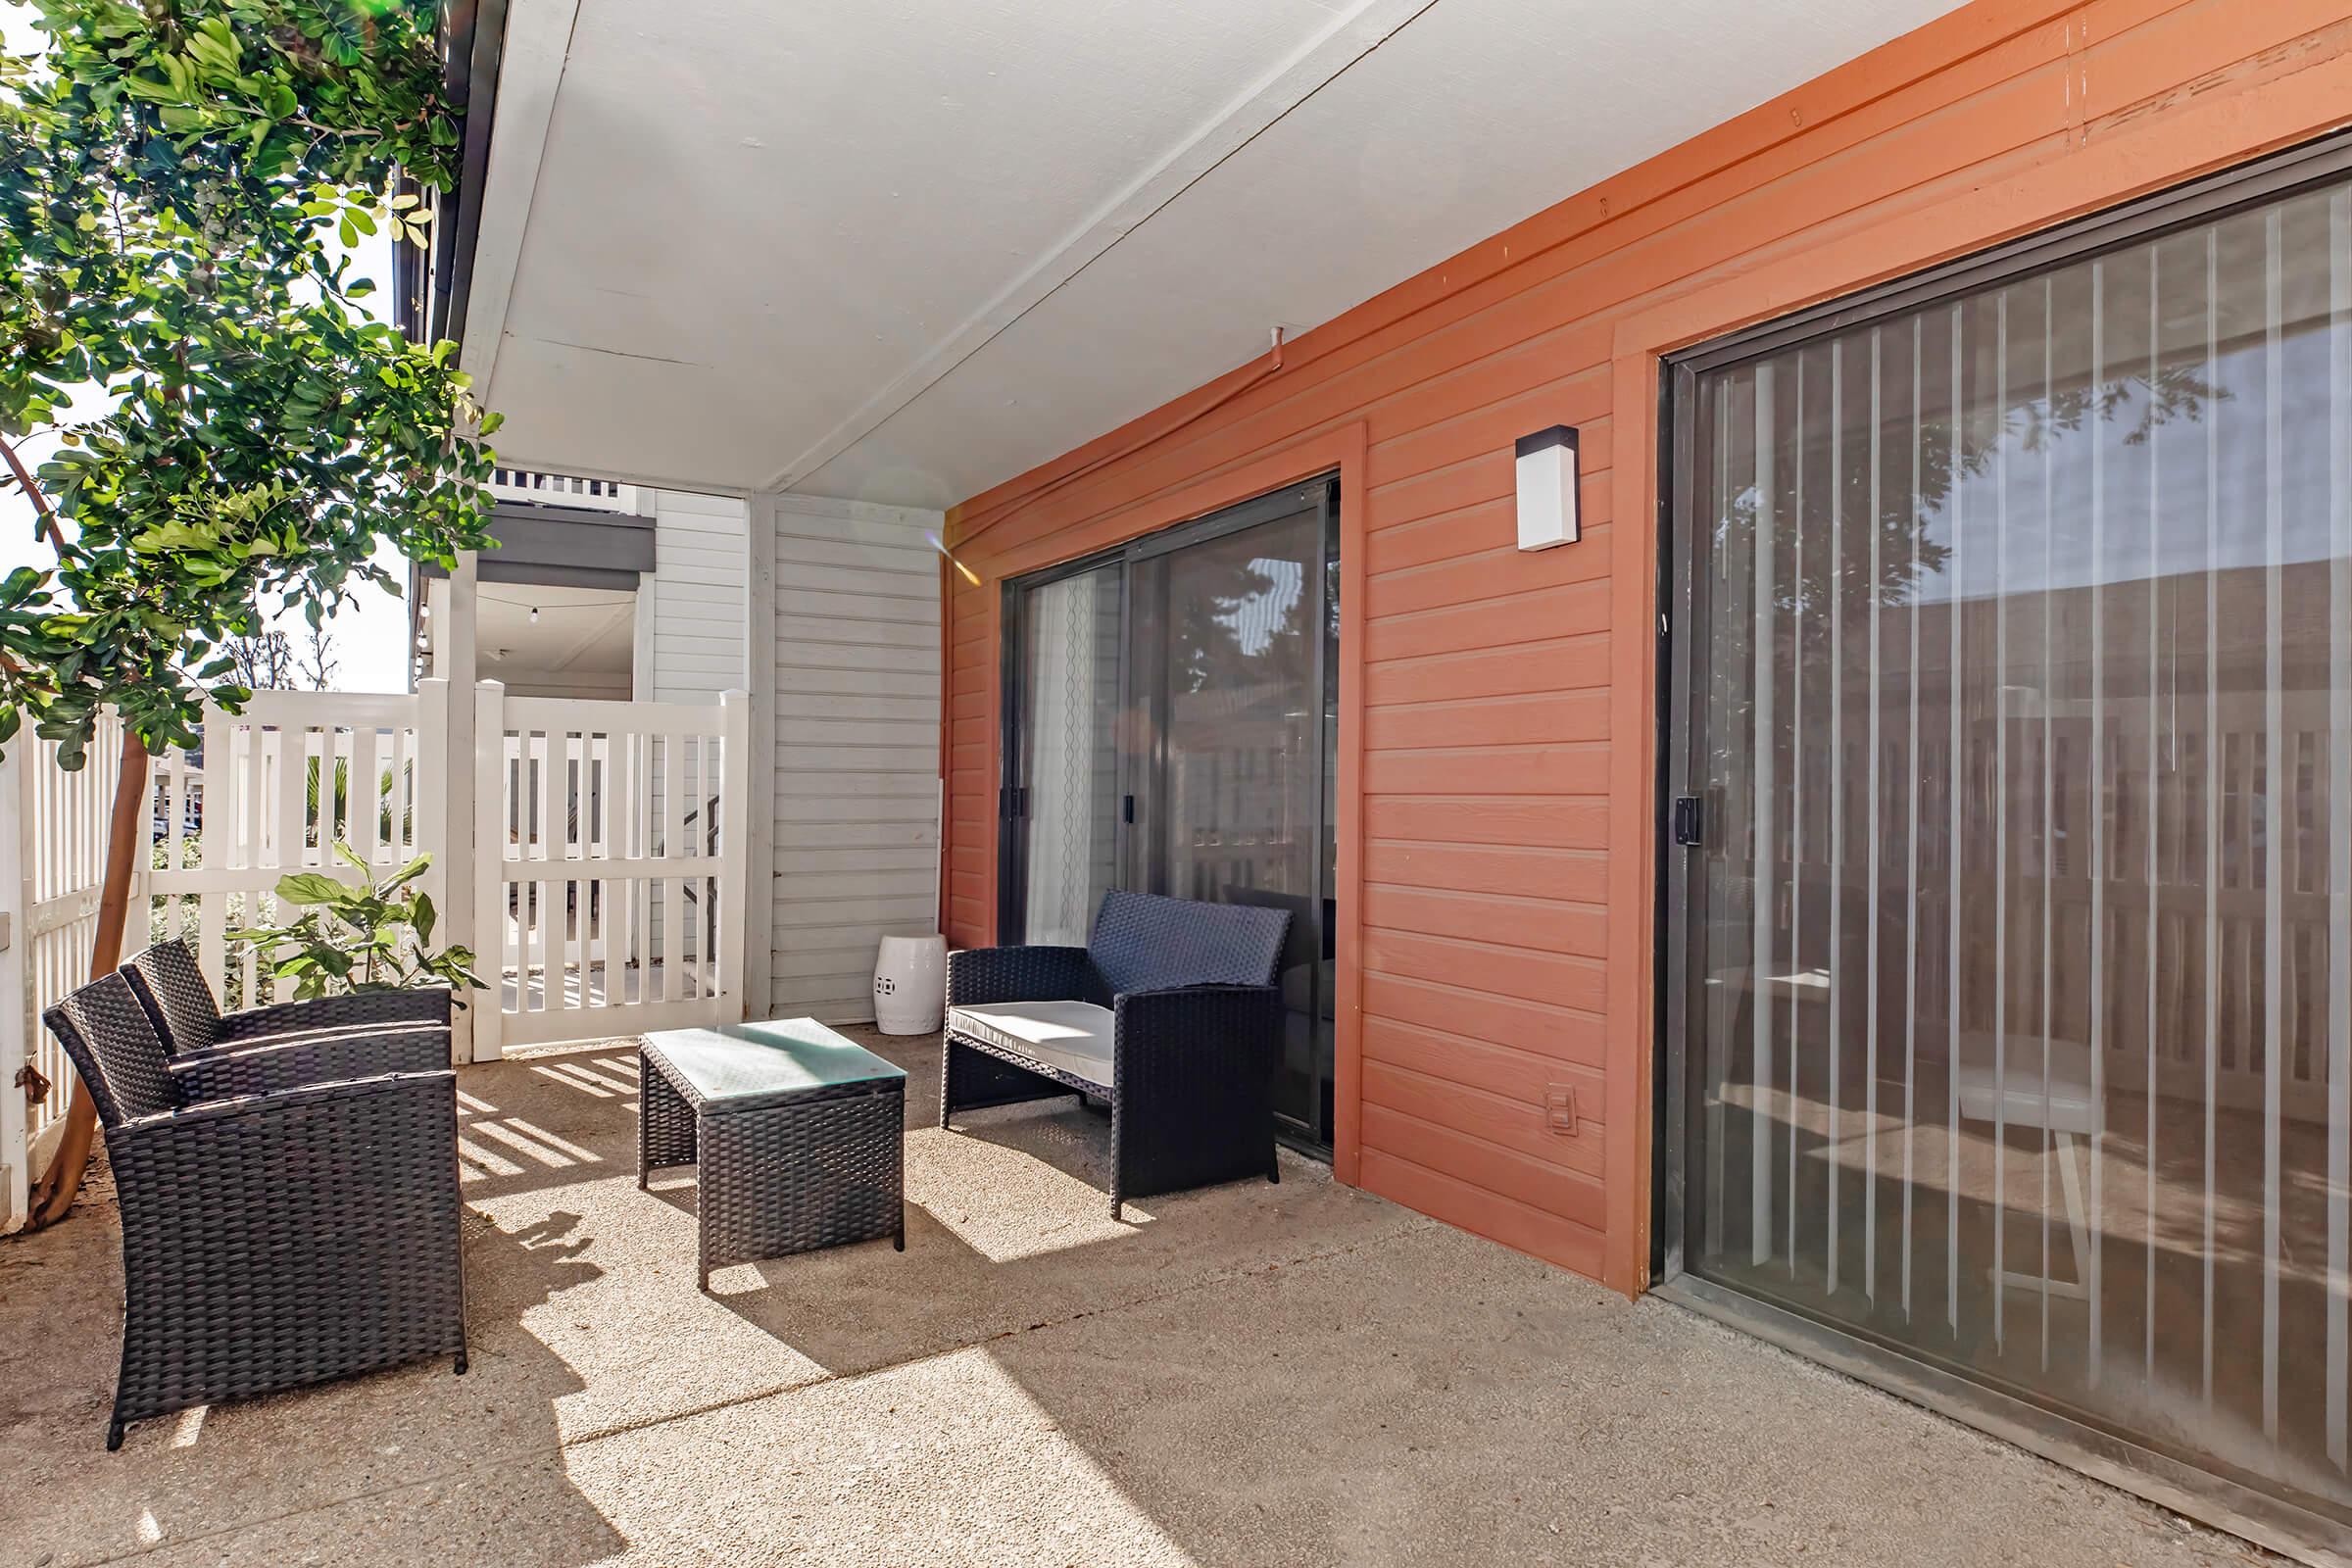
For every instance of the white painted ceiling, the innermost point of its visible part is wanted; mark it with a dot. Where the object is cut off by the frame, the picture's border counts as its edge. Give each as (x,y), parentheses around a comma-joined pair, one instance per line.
(580,631)
(903,250)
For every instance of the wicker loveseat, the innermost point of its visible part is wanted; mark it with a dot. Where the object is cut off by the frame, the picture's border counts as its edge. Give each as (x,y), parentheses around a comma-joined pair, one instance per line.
(284,1221)
(1170,1013)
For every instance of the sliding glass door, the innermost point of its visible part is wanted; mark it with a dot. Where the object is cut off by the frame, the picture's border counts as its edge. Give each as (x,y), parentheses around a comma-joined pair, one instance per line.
(2013,965)
(1174,729)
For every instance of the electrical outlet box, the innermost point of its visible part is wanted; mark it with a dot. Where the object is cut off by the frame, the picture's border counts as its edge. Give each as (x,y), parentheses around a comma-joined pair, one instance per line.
(1559,1109)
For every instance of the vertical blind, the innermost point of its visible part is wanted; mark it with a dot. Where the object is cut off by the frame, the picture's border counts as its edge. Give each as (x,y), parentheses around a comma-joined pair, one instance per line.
(1071,760)
(2022,951)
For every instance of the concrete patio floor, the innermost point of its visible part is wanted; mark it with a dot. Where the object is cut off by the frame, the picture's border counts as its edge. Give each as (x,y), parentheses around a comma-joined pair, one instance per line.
(1249,1375)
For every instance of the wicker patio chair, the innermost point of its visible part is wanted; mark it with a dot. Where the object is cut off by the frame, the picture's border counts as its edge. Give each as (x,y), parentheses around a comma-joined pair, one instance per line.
(1170,1013)
(179,1001)
(282,1225)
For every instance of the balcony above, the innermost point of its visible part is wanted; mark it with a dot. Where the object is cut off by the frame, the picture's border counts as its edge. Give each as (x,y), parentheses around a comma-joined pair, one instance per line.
(535,488)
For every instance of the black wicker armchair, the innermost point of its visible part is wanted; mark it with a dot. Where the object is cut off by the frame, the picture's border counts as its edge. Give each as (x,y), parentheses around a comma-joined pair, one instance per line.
(179,1002)
(282,1225)
(1170,1013)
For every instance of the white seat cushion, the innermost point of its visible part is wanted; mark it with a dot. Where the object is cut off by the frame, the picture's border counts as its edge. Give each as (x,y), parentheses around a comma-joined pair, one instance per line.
(2009,1087)
(1072,1037)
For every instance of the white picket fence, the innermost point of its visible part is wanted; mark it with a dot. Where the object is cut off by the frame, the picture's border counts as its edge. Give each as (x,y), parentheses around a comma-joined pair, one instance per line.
(53,832)
(273,792)
(607,890)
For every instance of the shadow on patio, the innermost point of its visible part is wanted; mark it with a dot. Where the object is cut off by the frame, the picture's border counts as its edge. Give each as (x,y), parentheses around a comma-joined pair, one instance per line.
(1249,1374)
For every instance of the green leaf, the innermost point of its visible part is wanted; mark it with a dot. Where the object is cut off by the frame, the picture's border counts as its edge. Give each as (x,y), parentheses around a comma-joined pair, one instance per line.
(177,535)
(407,874)
(309,887)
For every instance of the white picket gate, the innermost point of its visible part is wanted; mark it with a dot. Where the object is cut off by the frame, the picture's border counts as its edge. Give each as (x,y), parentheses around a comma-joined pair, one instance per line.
(610,873)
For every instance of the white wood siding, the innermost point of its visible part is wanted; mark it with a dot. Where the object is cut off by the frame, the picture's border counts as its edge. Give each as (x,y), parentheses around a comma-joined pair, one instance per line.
(858,677)
(592,684)
(697,587)
(696,591)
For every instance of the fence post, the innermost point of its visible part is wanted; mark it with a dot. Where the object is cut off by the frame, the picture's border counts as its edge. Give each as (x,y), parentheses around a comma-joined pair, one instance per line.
(221,813)
(487,766)
(16,1016)
(737,834)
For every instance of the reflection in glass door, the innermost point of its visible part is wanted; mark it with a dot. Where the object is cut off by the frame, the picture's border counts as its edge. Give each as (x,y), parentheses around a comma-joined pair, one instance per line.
(1174,730)
(1226,659)
(2017,952)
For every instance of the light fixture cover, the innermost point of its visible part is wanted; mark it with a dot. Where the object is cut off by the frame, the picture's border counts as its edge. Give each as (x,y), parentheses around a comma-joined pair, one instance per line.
(1547,488)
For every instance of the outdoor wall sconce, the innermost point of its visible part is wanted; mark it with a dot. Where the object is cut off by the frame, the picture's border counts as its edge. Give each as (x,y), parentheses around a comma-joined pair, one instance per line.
(1547,488)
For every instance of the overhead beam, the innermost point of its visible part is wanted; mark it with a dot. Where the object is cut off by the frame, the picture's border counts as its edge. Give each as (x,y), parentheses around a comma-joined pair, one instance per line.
(566,546)
(1357,29)
(538,40)
(476,33)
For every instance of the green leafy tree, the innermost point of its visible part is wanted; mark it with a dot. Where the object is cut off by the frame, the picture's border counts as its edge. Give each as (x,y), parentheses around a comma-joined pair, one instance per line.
(178,181)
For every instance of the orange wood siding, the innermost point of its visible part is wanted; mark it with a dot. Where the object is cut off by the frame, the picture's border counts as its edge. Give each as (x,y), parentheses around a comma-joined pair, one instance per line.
(1497,841)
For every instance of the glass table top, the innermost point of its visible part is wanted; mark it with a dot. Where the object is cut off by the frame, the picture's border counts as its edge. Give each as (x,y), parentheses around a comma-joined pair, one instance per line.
(777,1058)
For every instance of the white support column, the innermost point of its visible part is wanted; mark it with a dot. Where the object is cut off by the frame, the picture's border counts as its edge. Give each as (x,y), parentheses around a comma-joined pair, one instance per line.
(483,767)
(760,786)
(438,833)
(436,591)
(454,665)
(641,639)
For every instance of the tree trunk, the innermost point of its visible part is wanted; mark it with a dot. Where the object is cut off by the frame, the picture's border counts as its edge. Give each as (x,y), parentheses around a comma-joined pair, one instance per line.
(125,842)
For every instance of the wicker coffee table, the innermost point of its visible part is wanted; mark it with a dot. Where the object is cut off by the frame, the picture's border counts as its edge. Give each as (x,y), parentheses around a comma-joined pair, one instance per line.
(798,1133)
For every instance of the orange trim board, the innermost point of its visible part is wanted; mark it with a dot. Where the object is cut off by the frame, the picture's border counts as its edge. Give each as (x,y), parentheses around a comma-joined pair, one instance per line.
(1498,712)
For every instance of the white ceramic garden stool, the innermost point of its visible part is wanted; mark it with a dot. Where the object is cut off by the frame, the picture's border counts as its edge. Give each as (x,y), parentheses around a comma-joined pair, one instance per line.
(911,985)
